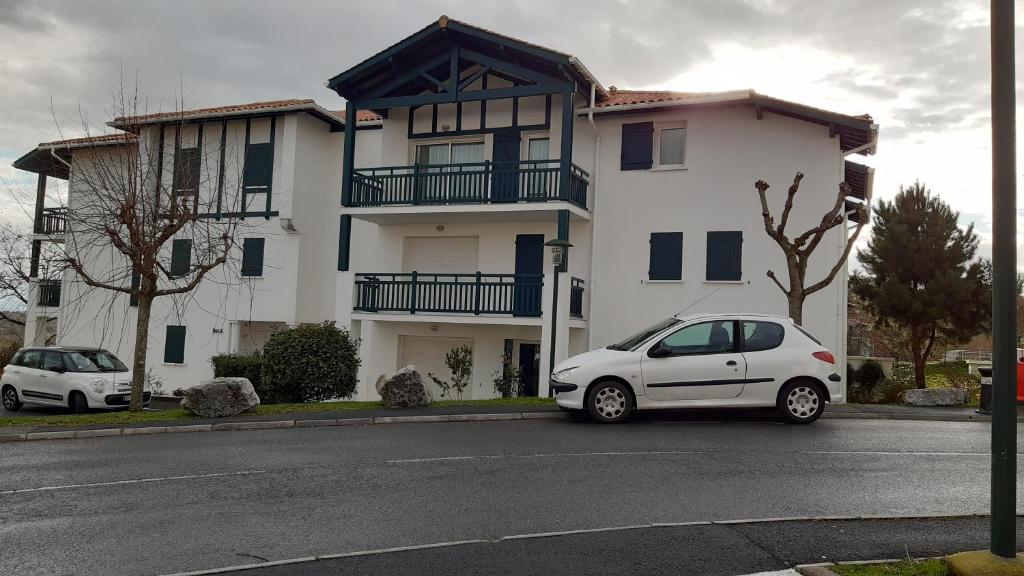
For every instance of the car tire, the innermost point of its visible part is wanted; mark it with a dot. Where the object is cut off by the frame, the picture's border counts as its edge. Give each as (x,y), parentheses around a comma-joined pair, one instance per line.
(610,402)
(78,403)
(801,401)
(10,398)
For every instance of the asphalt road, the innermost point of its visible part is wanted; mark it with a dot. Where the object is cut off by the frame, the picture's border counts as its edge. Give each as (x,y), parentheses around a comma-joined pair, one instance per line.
(175,502)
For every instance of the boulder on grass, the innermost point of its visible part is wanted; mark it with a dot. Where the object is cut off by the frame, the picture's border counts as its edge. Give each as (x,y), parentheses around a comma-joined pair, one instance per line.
(404,389)
(221,397)
(935,397)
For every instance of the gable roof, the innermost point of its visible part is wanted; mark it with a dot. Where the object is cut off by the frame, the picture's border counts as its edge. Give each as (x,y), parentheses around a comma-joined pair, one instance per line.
(251,109)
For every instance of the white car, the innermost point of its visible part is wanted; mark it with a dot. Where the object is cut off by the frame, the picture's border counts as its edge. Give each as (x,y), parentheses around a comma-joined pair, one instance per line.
(77,378)
(704,361)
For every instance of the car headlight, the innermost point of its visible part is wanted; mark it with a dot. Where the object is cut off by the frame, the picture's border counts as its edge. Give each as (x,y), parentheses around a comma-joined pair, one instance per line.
(99,385)
(564,373)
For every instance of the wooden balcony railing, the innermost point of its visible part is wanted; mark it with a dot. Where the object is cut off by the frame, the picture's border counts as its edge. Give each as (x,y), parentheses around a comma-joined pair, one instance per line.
(515,294)
(469,183)
(54,221)
(576,298)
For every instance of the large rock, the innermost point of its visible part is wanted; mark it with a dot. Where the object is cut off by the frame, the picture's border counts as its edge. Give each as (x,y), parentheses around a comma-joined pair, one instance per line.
(935,397)
(221,397)
(404,389)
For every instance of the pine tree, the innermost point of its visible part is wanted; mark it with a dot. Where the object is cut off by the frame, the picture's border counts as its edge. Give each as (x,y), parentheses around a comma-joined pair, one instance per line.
(922,274)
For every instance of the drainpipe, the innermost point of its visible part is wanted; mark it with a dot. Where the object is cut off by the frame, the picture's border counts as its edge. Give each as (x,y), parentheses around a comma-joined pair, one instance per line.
(593,214)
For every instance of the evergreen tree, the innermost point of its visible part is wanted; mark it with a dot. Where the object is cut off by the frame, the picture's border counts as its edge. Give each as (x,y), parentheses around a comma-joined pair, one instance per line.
(922,274)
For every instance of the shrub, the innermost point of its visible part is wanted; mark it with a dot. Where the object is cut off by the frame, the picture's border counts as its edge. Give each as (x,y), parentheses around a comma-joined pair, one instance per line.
(870,374)
(7,352)
(851,375)
(460,363)
(310,363)
(890,390)
(178,393)
(507,379)
(232,365)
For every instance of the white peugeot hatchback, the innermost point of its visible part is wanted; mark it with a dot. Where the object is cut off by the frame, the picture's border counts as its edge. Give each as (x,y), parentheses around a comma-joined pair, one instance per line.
(77,378)
(704,361)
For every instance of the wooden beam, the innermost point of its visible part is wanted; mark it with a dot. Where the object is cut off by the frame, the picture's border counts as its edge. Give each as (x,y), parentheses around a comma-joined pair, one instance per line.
(348,154)
(470,96)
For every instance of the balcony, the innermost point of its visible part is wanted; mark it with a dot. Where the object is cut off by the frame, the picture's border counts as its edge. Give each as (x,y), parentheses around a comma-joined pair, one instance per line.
(474,183)
(49,293)
(576,298)
(476,294)
(53,222)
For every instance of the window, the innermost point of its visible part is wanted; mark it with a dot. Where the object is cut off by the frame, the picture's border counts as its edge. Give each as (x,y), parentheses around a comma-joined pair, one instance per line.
(637,153)
(186,178)
(725,256)
(95,361)
(672,145)
(634,341)
(440,159)
(181,257)
(52,361)
(174,345)
(666,256)
(758,336)
(16,359)
(704,338)
(538,148)
(252,257)
(30,359)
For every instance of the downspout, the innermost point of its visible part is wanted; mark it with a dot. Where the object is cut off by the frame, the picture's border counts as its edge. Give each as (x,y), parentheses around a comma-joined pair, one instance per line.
(593,214)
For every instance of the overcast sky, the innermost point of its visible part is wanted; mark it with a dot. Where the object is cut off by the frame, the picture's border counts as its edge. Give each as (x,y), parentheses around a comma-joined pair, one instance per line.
(920,68)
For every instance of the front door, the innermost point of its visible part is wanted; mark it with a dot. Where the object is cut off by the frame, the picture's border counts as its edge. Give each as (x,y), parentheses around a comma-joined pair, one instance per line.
(529,274)
(529,368)
(505,166)
(698,362)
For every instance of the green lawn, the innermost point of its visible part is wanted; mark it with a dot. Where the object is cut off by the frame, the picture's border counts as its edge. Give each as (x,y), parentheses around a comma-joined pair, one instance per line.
(905,568)
(122,417)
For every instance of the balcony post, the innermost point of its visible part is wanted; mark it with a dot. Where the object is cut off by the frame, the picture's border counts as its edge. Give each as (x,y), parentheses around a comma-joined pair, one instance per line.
(565,165)
(476,295)
(37,246)
(40,203)
(348,154)
(412,294)
(416,184)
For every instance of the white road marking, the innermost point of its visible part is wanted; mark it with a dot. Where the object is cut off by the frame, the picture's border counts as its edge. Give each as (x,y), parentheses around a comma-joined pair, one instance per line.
(132,481)
(552,455)
(891,453)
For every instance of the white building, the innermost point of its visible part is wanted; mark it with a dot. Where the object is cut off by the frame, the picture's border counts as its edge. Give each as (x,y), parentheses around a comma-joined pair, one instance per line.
(418,217)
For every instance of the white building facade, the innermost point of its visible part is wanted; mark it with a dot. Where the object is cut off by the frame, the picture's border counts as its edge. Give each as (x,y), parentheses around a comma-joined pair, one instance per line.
(424,216)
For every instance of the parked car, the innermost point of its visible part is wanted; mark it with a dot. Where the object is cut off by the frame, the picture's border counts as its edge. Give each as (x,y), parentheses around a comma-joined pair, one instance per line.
(702,360)
(78,378)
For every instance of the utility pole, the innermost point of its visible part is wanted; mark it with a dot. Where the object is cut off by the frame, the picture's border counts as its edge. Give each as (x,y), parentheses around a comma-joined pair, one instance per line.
(1004,277)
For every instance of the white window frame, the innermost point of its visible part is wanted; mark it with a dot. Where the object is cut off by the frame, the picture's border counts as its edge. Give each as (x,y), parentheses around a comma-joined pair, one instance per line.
(414,152)
(658,127)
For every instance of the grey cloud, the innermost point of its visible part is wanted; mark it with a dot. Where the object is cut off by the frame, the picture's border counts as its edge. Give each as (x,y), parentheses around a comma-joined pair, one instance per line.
(22,14)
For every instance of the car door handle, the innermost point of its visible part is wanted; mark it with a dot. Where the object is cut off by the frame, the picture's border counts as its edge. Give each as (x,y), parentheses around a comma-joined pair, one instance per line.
(42,376)
(730,363)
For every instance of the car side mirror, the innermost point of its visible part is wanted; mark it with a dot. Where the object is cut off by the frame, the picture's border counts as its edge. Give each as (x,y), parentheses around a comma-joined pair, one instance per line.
(660,351)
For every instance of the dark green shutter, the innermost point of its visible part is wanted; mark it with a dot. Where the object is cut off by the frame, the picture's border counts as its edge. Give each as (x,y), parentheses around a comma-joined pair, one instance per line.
(133,299)
(666,256)
(186,171)
(181,257)
(174,345)
(637,146)
(344,241)
(258,169)
(252,257)
(725,255)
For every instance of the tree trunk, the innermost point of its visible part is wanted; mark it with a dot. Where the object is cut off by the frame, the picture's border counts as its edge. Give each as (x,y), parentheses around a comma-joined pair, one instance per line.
(918,356)
(796,307)
(139,358)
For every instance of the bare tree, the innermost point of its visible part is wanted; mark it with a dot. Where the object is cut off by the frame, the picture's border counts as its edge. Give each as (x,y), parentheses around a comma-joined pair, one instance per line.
(127,201)
(15,272)
(799,249)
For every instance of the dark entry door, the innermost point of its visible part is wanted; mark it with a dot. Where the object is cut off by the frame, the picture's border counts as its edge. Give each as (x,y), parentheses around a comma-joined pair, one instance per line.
(505,167)
(529,368)
(529,274)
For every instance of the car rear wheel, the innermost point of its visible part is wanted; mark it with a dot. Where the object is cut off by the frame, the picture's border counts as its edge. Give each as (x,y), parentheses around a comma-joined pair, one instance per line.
(78,403)
(801,402)
(610,402)
(10,398)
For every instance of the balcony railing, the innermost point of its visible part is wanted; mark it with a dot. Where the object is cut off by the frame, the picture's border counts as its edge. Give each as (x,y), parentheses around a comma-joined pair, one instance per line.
(54,221)
(49,293)
(576,298)
(515,294)
(468,183)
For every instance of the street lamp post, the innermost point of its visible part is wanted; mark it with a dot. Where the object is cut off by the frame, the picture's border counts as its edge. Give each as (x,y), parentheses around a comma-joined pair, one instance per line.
(559,256)
(1004,278)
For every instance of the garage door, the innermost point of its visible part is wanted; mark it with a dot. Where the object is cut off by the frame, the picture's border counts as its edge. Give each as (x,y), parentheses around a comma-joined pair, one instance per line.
(448,255)
(427,355)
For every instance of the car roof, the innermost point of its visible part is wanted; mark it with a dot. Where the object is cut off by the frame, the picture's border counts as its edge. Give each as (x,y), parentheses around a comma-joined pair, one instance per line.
(739,315)
(65,348)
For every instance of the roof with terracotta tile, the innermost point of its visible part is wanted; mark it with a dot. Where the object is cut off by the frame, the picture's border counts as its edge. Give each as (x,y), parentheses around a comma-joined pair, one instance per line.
(242,110)
(103,139)
(618,97)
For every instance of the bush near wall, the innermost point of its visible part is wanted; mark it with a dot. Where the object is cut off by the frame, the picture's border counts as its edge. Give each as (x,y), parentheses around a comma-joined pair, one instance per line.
(233,365)
(310,363)
(7,352)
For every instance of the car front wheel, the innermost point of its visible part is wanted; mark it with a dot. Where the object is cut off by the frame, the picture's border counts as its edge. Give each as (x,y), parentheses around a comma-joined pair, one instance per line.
(78,403)
(801,402)
(610,402)
(10,398)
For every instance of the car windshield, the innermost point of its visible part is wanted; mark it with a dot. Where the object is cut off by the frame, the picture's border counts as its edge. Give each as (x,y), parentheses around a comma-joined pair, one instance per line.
(93,361)
(634,341)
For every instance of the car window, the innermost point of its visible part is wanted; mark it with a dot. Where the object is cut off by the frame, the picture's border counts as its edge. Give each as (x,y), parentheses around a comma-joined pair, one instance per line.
(758,336)
(52,361)
(77,362)
(103,361)
(703,338)
(30,359)
(636,340)
(16,359)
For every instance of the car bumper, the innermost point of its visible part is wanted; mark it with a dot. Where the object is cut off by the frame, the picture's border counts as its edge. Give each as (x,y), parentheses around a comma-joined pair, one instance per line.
(568,395)
(124,399)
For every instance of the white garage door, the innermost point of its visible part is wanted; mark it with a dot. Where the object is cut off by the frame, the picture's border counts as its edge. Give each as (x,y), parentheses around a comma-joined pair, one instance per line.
(427,355)
(449,255)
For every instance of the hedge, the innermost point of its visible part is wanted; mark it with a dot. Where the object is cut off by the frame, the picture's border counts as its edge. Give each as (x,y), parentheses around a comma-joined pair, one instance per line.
(310,363)
(232,365)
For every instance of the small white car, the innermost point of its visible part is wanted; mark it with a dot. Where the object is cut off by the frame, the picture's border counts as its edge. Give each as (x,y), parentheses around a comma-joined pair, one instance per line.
(704,361)
(72,377)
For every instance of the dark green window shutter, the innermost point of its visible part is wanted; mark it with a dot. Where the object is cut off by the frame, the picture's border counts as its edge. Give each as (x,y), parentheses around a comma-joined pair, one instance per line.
(637,146)
(344,241)
(258,169)
(252,257)
(725,255)
(174,345)
(181,257)
(186,171)
(133,299)
(666,256)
